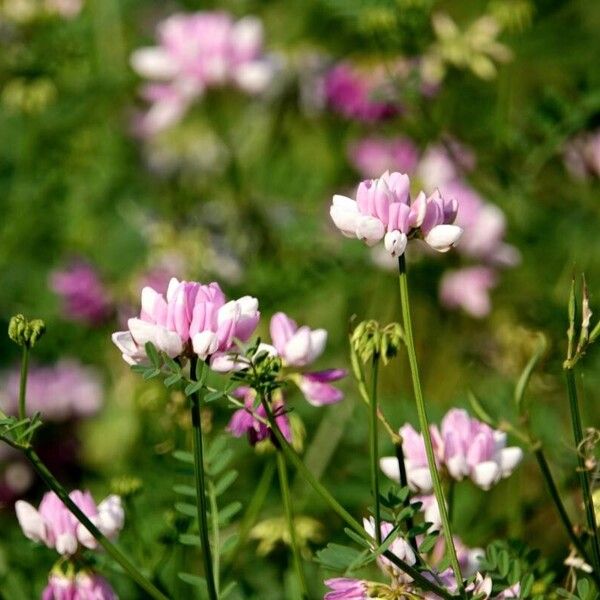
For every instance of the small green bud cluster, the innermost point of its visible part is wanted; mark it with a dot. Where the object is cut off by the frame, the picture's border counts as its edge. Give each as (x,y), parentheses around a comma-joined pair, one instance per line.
(370,339)
(25,332)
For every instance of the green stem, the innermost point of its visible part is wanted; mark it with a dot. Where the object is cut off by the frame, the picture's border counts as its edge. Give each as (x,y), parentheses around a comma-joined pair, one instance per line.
(214,514)
(201,495)
(404,484)
(451,491)
(110,548)
(560,507)
(582,470)
(374,449)
(289,515)
(23,382)
(295,459)
(424,423)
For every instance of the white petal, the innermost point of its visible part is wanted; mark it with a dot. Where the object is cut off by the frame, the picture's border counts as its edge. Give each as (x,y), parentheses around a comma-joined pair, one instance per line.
(395,242)
(443,237)
(457,466)
(345,215)
(297,348)
(66,543)
(419,479)
(31,522)
(124,341)
(169,342)
(205,343)
(111,516)
(248,305)
(143,332)
(318,339)
(485,474)
(509,459)
(370,230)
(389,466)
(153,63)
(254,77)
(173,285)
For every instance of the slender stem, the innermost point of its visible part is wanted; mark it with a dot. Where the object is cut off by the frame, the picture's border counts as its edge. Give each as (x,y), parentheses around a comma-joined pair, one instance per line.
(201,496)
(451,491)
(23,382)
(295,459)
(582,471)
(289,515)
(214,515)
(560,507)
(404,484)
(110,548)
(424,424)
(374,448)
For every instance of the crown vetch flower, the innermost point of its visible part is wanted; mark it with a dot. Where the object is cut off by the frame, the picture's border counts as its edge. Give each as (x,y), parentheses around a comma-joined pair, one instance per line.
(317,388)
(193,318)
(384,210)
(373,155)
(85,585)
(469,289)
(345,588)
(53,525)
(297,346)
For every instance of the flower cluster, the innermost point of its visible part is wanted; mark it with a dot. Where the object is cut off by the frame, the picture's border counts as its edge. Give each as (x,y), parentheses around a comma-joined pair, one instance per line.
(194,318)
(373,155)
(84,585)
(53,525)
(464,447)
(196,52)
(59,392)
(83,294)
(384,210)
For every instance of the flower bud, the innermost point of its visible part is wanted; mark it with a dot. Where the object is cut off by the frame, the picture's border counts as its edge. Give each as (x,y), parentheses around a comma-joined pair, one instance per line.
(24,332)
(369,338)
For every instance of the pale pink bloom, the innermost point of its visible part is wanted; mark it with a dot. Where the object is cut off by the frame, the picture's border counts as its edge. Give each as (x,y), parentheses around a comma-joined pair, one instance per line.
(85,585)
(297,346)
(59,392)
(344,588)
(469,289)
(384,210)
(198,51)
(468,558)
(399,547)
(82,292)
(374,155)
(244,421)
(582,155)
(54,526)
(356,94)
(317,388)
(192,317)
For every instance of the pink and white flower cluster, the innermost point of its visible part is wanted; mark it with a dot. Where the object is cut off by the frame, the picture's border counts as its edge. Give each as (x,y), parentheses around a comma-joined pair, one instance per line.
(195,52)
(193,318)
(384,210)
(463,446)
(54,525)
(85,585)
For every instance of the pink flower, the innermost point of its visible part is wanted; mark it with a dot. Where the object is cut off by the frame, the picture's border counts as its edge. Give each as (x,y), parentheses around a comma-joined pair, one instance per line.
(373,155)
(84,586)
(353,94)
(193,317)
(468,558)
(198,51)
(344,588)
(82,292)
(469,289)
(62,391)
(67,9)
(384,210)
(245,422)
(54,526)
(317,389)
(582,155)
(296,346)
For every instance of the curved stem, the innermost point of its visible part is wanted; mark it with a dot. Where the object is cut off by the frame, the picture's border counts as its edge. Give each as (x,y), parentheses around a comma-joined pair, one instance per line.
(289,516)
(23,382)
(110,548)
(374,449)
(201,496)
(424,423)
(295,459)
(582,471)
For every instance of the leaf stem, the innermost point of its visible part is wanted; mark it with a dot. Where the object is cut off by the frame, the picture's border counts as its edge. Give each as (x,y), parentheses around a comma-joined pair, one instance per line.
(110,548)
(23,382)
(424,423)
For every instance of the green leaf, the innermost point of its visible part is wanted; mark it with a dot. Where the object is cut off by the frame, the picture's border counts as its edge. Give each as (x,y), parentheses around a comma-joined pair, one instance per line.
(525,377)
(183,456)
(337,557)
(173,365)
(153,355)
(185,490)
(229,544)
(172,379)
(228,589)
(188,539)
(193,387)
(151,373)
(479,410)
(194,580)
(189,510)
(428,543)
(225,481)
(229,512)
(212,396)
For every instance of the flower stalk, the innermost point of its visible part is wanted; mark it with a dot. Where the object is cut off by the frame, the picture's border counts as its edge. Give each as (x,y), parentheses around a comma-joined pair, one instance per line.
(424,423)
(374,447)
(23,382)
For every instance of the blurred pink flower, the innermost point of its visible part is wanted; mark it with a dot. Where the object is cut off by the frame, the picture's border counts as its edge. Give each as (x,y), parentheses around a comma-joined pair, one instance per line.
(59,392)
(82,292)
(345,588)
(54,526)
(374,155)
(317,388)
(353,93)
(197,51)
(469,289)
(193,318)
(67,9)
(582,155)
(296,346)
(244,421)
(86,585)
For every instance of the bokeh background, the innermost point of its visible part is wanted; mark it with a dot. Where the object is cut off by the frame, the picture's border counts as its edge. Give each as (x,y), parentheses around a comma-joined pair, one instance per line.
(498,100)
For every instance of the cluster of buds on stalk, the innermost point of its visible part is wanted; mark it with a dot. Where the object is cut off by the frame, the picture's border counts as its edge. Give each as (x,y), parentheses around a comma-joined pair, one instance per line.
(576,349)
(25,332)
(370,339)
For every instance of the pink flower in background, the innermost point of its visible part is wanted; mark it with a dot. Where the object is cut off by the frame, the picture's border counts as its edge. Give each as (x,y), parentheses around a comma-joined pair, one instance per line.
(54,526)
(193,318)
(67,9)
(296,346)
(384,210)
(85,585)
(469,289)
(59,392)
(197,51)
(582,155)
(317,388)
(468,558)
(244,421)
(82,292)
(354,94)
(374,155)
(345,588)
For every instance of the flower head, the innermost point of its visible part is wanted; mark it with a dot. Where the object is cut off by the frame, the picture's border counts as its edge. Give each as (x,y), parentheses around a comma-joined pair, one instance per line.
(53,525)
(469,289)
(297,346)
(84,585)
(344,588)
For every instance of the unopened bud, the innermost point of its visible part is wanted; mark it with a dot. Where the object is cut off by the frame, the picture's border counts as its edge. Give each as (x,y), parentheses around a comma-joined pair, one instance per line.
(24,332)
(369,339)
(126,486)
